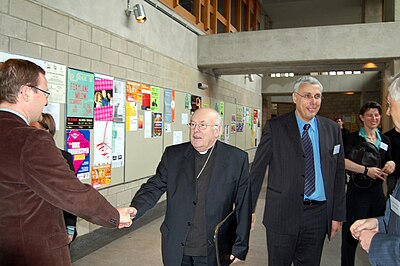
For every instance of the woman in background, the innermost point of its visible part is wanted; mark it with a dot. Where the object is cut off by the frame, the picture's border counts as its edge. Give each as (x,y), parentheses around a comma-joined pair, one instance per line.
(364,196)
(47,123)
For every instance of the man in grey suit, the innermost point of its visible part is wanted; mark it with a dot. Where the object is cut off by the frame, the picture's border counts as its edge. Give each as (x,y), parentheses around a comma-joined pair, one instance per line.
(204,180)
(380,236)
(305,197)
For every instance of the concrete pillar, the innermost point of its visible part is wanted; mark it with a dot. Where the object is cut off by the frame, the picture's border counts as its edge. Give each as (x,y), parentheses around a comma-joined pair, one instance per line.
(397,10)
(372,11)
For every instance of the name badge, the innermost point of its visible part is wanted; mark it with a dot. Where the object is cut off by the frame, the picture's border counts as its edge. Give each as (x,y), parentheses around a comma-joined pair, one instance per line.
(336,149)
(384,146)
(395,205)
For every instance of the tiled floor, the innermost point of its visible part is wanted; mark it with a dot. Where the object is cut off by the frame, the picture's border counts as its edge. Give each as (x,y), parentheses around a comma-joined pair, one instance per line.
(142,247)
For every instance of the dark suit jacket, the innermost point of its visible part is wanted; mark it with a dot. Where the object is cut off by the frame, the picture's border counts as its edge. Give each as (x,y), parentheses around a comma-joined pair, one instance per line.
(35,185)
(229,185)
(281,148)
(385,245)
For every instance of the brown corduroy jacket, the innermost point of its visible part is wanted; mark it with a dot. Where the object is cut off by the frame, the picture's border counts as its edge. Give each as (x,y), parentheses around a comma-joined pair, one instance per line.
(36,184)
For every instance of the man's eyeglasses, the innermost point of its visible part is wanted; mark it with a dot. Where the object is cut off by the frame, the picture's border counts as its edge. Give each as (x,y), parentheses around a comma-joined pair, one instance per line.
(202,126)
(46,93)
(309,96)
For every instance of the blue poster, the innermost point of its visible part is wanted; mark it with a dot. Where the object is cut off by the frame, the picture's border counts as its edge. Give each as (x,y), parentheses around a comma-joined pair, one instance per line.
(78,144)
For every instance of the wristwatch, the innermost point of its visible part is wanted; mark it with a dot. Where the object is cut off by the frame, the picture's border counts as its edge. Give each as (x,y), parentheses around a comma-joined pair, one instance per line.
(365,170)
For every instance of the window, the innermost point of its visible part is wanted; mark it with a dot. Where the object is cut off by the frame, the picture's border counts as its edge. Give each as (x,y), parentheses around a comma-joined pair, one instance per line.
(188,5)
(219,16)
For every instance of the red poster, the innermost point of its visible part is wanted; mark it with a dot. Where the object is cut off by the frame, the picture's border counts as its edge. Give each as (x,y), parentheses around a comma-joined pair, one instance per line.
(145,96)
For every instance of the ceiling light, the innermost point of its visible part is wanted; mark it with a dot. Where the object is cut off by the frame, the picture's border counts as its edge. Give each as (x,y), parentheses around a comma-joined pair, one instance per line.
(370,65)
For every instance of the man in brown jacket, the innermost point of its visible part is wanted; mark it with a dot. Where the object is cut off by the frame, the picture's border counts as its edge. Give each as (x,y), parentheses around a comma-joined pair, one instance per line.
(36,183)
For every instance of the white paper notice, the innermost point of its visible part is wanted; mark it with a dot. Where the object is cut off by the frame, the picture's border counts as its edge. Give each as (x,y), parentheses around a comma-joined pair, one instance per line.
(185,119)
(57,82)
(167,128)
(118,145)
(177,137)
(5,56)
(147,124)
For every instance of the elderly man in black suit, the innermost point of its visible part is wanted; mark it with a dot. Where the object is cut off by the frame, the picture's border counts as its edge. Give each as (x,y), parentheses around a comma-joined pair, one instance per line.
(305,197)
(204,180)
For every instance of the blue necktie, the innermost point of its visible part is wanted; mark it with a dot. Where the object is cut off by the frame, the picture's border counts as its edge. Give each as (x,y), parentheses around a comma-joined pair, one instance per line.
(309,184)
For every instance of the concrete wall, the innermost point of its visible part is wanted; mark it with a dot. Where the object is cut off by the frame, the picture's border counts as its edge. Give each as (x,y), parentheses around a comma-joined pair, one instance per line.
(317,13)
(369,81)
(299,47)
(96,36)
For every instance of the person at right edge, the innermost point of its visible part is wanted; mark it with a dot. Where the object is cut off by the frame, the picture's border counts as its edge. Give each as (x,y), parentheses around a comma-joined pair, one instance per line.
(391,180)
(364,196)
(380,236)
(305,198)
(36,183)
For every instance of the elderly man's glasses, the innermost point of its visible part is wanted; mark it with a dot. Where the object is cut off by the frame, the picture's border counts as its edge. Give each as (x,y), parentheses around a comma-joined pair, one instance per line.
(309,96)
(202,126)
(46,93)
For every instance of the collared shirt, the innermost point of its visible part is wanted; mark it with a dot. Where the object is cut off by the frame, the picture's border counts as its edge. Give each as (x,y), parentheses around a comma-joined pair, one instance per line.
(319,193)
(378,141)
(16,113)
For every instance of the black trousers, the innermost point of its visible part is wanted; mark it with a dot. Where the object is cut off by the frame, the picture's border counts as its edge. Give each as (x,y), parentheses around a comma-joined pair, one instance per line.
(194,261)
(304,247)
(360,203)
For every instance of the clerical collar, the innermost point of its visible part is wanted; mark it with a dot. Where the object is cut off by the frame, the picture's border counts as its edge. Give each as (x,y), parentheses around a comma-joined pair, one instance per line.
(206,151)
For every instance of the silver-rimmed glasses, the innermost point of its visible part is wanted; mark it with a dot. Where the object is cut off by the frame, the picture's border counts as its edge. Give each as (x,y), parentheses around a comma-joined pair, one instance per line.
(309,96)
(202,126)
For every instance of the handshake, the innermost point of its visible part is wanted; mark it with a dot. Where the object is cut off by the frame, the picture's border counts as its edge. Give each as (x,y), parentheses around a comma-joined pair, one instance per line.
(125,216)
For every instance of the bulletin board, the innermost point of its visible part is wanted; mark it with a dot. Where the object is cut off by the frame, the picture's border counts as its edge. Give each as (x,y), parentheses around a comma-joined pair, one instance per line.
(230,111)
(179,126)
(240,134)
(142,155)
(252,129)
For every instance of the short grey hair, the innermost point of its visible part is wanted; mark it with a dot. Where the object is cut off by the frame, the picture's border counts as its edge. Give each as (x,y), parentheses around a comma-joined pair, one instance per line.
(309,80)
(394,88)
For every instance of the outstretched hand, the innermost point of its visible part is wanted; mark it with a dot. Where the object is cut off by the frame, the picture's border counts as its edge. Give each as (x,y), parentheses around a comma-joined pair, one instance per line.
(125,216)
(234,259)
(363,224)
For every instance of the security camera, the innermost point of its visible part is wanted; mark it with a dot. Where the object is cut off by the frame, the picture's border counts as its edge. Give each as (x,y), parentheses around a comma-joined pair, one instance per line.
(202,86)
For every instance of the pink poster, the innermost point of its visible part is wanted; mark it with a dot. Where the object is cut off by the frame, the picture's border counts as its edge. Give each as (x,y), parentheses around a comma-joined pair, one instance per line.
(103,99)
